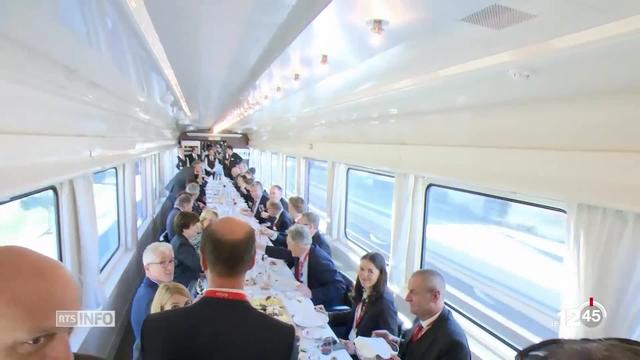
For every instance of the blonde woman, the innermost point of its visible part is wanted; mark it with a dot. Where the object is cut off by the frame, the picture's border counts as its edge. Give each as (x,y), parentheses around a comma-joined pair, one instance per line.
(208,216)
(171,295)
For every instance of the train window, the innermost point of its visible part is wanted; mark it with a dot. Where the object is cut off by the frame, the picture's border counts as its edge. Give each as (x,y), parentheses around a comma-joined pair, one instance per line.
(105,195)
(368,217)
(316,191)
(31,221)
(291,172)
(154,176)
(502,260)
(140,192)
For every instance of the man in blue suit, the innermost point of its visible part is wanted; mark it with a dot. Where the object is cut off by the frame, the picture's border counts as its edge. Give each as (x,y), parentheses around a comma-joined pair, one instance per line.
(157,259)
(320,280)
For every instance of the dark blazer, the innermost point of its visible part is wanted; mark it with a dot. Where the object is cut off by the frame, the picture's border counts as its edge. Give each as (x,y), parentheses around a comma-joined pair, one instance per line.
(281,225)
(379,314)
(444,340)
(169,223)
(230,162)
(319,241)
(142,304)
(187,268)
(263,201)
(216,329)
(179,182)
(324,280)
(285,204)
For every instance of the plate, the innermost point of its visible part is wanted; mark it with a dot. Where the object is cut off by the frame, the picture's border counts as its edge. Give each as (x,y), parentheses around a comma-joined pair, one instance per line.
(310,319)
(313,333)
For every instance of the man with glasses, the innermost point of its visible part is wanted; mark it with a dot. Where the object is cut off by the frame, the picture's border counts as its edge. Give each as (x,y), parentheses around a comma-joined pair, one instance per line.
(158,263)
(435,333)
(312,222)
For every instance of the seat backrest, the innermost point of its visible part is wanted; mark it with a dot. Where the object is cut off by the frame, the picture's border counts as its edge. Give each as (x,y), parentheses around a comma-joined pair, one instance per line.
(164,237)
(346,299)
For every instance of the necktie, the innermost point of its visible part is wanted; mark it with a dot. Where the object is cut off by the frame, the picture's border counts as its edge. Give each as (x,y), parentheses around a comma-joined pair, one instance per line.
(417,332)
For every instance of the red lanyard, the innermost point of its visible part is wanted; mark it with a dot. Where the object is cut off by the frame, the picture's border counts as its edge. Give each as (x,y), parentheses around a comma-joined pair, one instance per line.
(301,265)
(360,312)
(225,294)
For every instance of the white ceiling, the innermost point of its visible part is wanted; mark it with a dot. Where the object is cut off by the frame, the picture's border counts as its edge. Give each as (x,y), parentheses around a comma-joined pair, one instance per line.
(433,72)
(218,48)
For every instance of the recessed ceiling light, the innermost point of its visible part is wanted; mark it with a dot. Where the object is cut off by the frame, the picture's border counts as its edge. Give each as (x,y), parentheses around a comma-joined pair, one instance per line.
(377,25)
(296,77)
(324,59)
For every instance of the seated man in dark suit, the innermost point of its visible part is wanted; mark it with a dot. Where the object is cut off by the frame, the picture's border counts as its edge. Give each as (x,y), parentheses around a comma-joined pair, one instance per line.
(157,260)
(277,232)
(198,201)
(231,160)
(222,324)
(435,334)
(320,280)
(259,203)
(184,202)
(275,194)
(312,222)
(179,182)
(187,268)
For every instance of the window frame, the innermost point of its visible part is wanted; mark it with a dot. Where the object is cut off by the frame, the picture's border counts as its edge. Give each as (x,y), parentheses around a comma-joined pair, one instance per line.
(57,212)
(323,214)
(346,206)
(423,244)
(144,192)
(119,213)
(295,175)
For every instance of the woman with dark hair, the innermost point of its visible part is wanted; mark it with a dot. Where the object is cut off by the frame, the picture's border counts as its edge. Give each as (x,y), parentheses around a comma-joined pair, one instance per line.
(187,266)
(373,307)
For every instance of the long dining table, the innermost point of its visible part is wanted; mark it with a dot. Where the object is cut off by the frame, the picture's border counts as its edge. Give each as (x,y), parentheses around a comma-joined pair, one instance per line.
(271,278)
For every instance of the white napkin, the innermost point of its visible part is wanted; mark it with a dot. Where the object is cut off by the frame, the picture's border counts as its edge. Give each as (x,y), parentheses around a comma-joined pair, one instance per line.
(369,347)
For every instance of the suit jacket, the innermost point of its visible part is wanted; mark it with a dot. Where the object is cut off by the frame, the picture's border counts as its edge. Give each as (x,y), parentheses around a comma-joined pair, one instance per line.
(379,314)
(169,223)
(263,201)
(142,304)
(187,268)
(285,204)
(444,340)
(233,160)
(182,162)
(319,241)
(326,285)
(281,225)
(179,182)
(215,328)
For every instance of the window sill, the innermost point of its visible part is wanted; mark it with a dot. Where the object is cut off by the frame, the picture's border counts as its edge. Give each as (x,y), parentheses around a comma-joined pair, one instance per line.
(113,272)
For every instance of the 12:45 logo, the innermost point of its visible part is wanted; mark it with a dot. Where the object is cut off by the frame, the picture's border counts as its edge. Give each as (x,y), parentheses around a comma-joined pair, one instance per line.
(590,314)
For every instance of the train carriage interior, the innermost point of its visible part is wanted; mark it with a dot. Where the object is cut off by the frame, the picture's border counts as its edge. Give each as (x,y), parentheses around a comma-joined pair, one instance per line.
(493,141)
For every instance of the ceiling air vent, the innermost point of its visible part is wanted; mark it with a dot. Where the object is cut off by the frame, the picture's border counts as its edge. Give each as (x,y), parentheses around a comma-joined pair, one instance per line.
(497,17)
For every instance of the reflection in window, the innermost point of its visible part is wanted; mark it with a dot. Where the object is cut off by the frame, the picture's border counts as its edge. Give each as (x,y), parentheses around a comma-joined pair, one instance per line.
(275,170)
(105,196)
(31,221)
(369,204)
(291,172)
(317,186)
(141,205)
(503,260)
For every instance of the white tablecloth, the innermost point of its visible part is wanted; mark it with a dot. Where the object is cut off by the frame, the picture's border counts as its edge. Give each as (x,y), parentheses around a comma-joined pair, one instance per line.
(223,197)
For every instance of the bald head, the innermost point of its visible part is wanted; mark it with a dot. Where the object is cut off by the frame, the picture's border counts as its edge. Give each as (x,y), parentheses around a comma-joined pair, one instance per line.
(228,247)
(27,323)
(426,290)
(431,279)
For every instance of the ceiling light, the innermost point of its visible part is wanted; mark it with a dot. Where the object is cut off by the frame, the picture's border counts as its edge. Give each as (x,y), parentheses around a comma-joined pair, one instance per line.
(296,77)
(324,59)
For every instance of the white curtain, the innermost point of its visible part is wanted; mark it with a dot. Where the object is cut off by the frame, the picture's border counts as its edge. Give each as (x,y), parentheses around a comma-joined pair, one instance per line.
(87,230)
(265,172)
(414,247)
(400,226)
(301,177)
(604,246)
(336,190)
